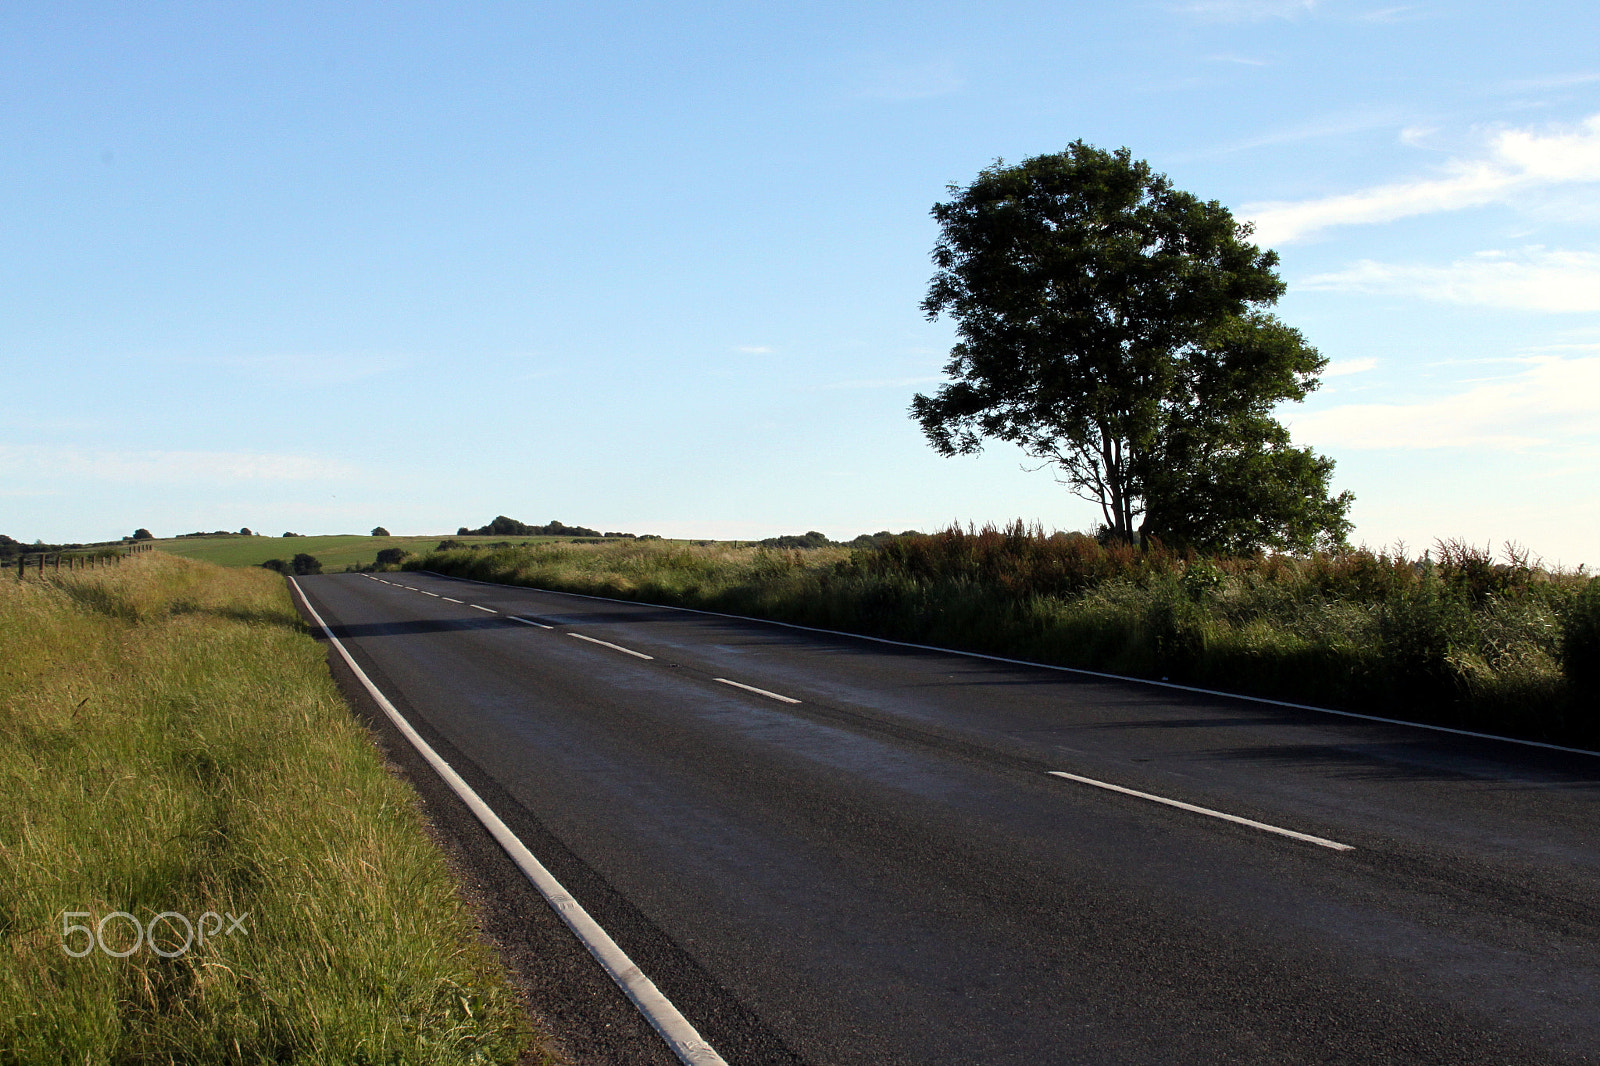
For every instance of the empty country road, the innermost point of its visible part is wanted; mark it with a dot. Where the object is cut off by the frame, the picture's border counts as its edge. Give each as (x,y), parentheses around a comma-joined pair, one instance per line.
(835,851)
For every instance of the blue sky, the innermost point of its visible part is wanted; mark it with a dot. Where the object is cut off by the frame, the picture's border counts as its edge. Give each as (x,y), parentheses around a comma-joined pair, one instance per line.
(656,267)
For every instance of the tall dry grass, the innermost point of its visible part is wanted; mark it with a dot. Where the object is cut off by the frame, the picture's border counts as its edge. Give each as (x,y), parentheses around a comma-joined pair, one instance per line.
(171,742)
(1457,636)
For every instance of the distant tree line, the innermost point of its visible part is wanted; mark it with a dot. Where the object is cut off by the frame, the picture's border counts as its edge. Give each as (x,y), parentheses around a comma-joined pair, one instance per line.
(510,527)
(814,539)
(142,533)
(10,548)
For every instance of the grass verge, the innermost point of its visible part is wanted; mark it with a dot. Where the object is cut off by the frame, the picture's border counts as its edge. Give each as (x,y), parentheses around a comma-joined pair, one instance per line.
(334,552)
(1459,640)
(171,743)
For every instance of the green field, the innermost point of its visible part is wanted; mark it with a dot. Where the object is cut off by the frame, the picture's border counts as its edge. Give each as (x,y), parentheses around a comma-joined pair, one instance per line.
(334,552)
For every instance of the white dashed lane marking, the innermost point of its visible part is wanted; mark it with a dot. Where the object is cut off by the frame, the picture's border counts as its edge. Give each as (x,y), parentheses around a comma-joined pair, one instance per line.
(757,691)
(1319,841)
(613,647)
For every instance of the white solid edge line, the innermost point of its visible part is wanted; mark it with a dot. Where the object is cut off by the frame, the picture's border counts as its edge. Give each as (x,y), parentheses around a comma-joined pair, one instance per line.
(528,621)
(475,607)
(613,647)
(1048,666)
(1334,844)
(757,691)
(674,1028)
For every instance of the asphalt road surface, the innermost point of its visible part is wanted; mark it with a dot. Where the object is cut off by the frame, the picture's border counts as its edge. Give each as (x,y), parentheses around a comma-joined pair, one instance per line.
(834,851)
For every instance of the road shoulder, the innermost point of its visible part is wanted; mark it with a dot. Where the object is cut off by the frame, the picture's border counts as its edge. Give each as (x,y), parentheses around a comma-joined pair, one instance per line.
(588,1019)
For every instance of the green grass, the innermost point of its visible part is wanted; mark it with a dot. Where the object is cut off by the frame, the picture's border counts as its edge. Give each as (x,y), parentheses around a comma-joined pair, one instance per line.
(334,552)
(1458,640)
(171,741)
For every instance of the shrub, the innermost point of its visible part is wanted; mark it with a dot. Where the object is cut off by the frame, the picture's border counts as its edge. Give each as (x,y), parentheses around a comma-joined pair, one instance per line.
(379,531)
(502,526)
(392,556)
(1580,647)
(813,539)
(306,564)
(276,564)
(1422,632)
(142,534)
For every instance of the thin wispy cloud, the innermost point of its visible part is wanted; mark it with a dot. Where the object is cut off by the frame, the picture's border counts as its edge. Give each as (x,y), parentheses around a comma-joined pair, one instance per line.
(755,349)
(1339,368)
(1417,136)
(1513,162)
(171,467)
(1316,129)
(1389,15)
(1243,61)
(1555,81)
(1535,279)
(1551,401)
(1246,10)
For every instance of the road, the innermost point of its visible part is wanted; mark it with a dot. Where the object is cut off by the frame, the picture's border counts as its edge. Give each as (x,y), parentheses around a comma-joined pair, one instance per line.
(867,855)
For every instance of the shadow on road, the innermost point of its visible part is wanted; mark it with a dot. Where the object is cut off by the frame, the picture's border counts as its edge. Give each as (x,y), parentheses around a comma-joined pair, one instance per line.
(397,629)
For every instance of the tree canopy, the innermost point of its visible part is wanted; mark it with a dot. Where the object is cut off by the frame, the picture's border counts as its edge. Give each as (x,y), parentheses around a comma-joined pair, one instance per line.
(510,527)
(1116,329)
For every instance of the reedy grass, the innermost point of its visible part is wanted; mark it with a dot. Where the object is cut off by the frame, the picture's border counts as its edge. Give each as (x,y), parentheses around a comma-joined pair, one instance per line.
(171,741)
(1458,640)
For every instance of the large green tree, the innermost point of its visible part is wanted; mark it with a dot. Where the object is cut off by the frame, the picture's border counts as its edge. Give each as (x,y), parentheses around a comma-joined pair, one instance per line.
(1116,329)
